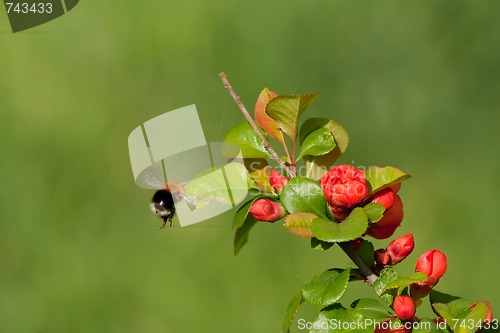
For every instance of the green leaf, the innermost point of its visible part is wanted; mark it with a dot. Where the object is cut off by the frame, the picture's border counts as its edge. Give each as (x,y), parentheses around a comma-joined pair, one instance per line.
(237,180)
(327,288)
(439,297)
(286,110)
(338,132)
(367,252)
(443,311)
(299,224)
(387,275)
(459,317)
(371,308)
(352,227)
(303,195)
(374,211)
(454,309)
(250,144)
(476,315)
(317,166)
(336,319)
(291,311)
(242,213)
(379,178)
(316,244)
(318,142)
(227,185)
(405,282)
(241,234)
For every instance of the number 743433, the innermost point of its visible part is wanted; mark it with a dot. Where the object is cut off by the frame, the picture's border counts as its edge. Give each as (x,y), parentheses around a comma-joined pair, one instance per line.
(25,8)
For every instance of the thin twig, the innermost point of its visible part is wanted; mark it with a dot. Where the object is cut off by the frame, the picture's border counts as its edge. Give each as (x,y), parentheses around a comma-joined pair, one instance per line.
(291,159)
(267,145)
(367,272)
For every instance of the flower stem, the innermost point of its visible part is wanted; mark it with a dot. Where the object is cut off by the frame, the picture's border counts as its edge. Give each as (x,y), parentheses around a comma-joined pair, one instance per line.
(267,145)
(367,272)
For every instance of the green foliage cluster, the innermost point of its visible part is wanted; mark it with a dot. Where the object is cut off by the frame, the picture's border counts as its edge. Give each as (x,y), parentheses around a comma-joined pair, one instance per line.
(309,215)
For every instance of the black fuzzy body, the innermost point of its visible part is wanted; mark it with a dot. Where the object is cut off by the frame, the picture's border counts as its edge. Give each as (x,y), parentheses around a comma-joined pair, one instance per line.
(162,205)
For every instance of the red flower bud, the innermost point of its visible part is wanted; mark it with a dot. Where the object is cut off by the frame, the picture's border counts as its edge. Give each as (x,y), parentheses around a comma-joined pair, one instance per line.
(382,257)
(384,198)
(344,186)
(400,248)
(433,263)
(404,306)
(277,180)
(386,227)
(267,210)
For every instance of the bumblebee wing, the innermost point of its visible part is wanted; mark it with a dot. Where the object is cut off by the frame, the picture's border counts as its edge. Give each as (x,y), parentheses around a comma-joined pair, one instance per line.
(153,182)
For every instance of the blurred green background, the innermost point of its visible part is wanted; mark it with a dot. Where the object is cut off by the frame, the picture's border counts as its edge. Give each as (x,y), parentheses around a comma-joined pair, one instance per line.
(416,84)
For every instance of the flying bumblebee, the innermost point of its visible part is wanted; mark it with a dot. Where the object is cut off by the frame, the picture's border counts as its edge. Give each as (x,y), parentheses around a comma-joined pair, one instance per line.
(163,202)
(162,205)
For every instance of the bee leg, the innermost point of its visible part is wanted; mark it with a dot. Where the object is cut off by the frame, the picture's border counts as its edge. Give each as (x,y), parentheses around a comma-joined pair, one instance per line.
(163,224)
(166,219)
(170,217)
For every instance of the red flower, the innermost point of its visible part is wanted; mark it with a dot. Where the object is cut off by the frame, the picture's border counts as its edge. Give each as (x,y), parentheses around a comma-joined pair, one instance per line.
(277,180)
(392,219)
(344,187)
(433,263)
(267,210)
(400,248)
(404,306)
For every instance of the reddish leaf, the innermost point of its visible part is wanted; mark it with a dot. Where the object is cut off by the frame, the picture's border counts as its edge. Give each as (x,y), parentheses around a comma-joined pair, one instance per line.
(267,123)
